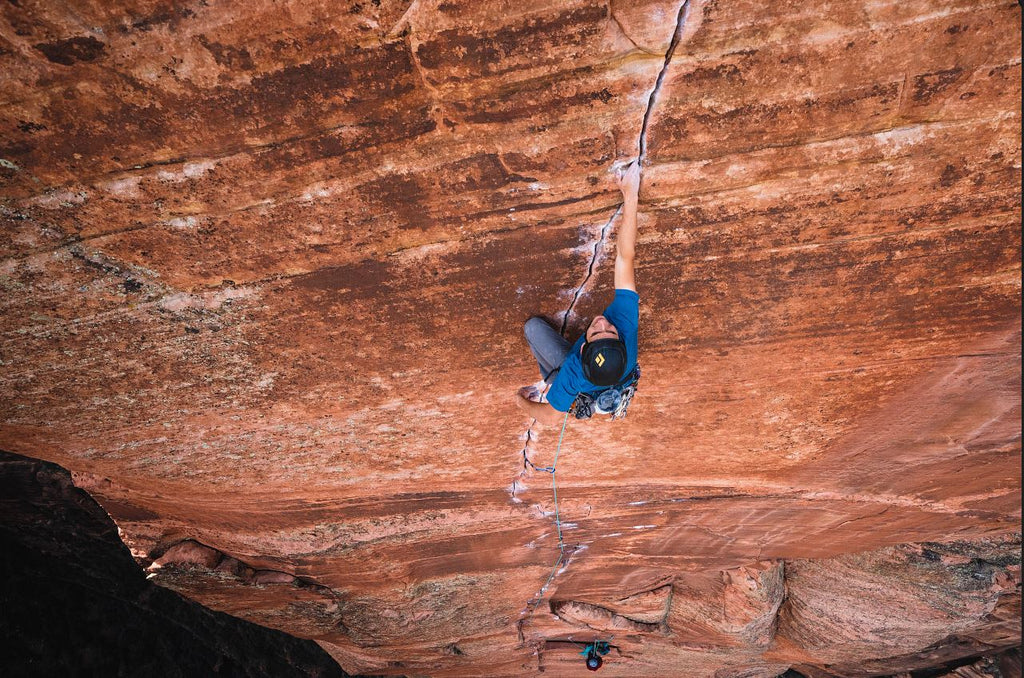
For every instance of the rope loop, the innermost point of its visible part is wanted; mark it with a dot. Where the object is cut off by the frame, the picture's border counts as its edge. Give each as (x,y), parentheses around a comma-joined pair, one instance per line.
(554,488)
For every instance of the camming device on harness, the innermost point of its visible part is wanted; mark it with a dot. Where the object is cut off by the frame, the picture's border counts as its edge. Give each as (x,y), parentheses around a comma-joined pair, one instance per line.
(613,400)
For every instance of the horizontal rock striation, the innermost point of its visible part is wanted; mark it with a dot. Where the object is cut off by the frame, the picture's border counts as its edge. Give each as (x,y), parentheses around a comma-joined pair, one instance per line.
(264,268)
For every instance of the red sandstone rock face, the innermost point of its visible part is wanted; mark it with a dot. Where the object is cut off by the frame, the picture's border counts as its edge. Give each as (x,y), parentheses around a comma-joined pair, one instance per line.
(265,268)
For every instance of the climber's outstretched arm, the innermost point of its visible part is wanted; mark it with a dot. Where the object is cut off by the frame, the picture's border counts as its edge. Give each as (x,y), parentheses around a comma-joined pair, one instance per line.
(625,241)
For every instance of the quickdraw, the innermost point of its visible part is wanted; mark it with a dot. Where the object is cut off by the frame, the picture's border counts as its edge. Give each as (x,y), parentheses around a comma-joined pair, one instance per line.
(613,400)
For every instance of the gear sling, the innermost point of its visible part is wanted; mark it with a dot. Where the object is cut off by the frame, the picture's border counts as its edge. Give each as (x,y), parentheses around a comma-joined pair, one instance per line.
(613,400)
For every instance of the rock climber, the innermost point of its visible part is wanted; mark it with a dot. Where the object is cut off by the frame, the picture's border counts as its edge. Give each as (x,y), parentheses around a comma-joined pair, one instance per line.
(597,374)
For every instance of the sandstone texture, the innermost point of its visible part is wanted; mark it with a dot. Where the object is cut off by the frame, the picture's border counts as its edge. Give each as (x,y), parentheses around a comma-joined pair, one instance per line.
(264,268)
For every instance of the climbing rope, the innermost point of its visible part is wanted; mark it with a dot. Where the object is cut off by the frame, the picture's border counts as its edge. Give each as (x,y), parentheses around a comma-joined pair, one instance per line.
(558,521)
(554,485)
(594,650)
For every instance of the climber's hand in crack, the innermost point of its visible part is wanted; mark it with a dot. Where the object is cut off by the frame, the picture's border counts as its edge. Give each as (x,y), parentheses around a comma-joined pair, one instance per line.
(628,179)
(542,412)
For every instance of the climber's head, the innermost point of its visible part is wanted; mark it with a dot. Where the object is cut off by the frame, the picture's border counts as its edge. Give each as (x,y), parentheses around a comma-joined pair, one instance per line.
(603,354)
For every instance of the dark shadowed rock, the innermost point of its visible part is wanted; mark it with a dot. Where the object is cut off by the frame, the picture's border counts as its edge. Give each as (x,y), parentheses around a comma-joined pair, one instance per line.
(76,603)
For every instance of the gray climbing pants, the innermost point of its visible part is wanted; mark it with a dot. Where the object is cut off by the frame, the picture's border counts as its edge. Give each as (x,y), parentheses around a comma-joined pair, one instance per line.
(547,346)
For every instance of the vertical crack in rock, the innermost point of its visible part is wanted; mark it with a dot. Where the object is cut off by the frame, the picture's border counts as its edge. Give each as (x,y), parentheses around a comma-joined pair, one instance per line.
(598,246)
(684,11)
(563,563)
(525,452)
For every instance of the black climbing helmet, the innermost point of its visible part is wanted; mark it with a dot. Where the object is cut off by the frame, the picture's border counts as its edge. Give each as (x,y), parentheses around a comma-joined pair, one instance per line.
(604,361)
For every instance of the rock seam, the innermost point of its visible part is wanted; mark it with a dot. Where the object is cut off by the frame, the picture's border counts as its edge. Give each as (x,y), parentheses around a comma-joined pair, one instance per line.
(598,247)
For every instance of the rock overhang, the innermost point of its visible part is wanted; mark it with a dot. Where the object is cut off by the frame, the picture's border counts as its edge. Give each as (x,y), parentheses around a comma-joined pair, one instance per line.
(266,269)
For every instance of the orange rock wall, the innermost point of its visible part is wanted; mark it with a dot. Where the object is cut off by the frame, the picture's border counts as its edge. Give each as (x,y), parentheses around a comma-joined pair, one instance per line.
(265,267)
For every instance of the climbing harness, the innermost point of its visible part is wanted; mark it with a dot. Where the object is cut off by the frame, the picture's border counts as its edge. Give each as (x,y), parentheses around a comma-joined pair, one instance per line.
(593,653)
(614,400)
